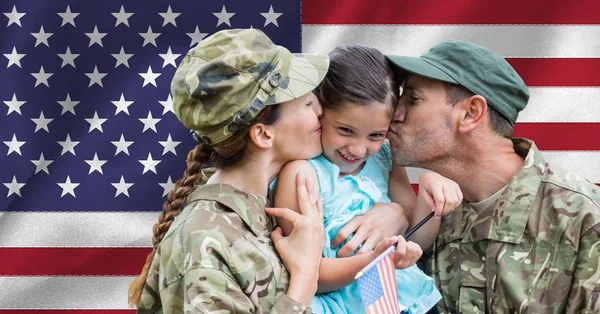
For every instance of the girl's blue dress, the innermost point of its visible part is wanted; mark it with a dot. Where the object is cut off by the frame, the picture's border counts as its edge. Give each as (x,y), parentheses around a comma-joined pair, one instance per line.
(345,198)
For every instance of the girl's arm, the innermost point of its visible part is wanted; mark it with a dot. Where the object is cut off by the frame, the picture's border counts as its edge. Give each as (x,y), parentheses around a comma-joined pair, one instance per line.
(435,193)
(401,191)
(334,273)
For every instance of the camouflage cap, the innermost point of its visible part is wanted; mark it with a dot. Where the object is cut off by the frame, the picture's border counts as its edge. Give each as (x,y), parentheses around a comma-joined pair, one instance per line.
(228,78)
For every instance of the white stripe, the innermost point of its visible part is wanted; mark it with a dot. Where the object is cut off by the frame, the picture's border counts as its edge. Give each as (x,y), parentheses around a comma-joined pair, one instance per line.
(64,292)
(583,163)
(562,104)
(76,229)
(80,229)
(377,306)
(569,41)
(370,309)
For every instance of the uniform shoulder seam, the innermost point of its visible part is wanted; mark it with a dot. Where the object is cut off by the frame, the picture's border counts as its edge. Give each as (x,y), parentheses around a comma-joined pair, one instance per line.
(566,187)
(588,197)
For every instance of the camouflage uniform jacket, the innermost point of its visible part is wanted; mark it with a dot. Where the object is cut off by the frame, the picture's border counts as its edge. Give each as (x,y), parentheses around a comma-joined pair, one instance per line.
(535,250)
(217,257)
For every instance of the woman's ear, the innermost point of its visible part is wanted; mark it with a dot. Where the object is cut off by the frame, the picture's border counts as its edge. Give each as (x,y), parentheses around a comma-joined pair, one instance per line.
(474,109)
(262,135)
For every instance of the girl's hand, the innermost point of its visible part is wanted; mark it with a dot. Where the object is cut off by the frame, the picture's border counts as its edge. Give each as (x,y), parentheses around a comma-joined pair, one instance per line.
(407,253)
(439,193)
(383,245)
(301,251)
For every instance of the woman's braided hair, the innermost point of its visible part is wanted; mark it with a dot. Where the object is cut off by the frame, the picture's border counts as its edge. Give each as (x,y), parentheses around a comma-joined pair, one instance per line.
(224,154)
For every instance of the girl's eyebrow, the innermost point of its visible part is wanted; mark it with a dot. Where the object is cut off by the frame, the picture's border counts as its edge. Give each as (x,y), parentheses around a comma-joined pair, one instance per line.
(344,124)
(380,131)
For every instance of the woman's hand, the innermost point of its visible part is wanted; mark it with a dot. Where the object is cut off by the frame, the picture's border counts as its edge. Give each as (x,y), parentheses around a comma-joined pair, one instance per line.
(302,249)
(382,221)
(439,193)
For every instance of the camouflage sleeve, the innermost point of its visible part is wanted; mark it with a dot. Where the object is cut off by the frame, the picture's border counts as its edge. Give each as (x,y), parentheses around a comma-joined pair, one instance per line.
(584,296)
(211,290)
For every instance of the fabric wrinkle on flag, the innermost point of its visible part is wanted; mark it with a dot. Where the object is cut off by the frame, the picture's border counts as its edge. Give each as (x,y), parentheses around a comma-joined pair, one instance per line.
(378,289)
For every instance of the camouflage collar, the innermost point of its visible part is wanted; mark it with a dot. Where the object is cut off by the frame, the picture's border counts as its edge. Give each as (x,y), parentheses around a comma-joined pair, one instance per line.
(250,207)
(507,219)
(514,206)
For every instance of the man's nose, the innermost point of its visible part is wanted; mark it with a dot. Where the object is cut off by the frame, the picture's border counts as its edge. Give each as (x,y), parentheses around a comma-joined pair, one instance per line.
(400,114)
(399,117)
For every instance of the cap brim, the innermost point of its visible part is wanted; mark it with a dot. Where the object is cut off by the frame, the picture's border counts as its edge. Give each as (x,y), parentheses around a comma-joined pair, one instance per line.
(305,74)
(406,65)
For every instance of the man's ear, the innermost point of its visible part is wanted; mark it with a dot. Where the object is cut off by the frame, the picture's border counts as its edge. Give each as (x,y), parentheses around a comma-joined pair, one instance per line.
(262,135)
(474,110)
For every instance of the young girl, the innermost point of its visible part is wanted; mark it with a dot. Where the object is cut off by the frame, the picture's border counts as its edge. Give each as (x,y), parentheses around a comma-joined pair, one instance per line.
(359,94)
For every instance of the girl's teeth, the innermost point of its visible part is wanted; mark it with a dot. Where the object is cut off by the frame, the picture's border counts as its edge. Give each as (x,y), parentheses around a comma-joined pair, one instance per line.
(348,157)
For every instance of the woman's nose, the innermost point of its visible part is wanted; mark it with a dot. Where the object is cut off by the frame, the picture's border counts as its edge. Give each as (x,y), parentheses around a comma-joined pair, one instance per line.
(318,108)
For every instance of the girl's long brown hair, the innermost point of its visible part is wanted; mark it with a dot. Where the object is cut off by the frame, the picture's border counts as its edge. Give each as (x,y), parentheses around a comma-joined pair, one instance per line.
(224,154)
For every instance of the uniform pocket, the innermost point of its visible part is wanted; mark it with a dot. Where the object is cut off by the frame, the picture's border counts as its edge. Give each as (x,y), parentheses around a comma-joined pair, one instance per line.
(271,264)
(532,278)
(471,300)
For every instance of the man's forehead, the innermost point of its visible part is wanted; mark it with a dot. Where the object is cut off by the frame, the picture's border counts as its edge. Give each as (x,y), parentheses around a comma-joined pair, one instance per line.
(417,82)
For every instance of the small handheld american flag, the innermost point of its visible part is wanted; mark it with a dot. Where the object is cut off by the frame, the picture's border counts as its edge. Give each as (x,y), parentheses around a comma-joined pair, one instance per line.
(378,289)
(377,281)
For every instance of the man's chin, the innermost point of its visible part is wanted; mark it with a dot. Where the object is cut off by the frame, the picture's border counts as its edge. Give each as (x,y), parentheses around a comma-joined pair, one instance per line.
(402,158)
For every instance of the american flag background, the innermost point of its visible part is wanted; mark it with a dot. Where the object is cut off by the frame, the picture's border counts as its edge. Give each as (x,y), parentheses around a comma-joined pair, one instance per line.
(378,289)
(90,145)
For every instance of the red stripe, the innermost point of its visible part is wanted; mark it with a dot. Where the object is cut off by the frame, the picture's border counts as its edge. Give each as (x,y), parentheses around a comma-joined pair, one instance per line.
(561,136)
(450,12)
(385,300)
(67,311)
(558,71)
(415,186)
(393,286)
(72,261)
(387,280)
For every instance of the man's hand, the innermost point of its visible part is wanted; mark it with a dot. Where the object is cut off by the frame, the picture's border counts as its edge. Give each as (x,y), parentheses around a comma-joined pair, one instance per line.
(384,220)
